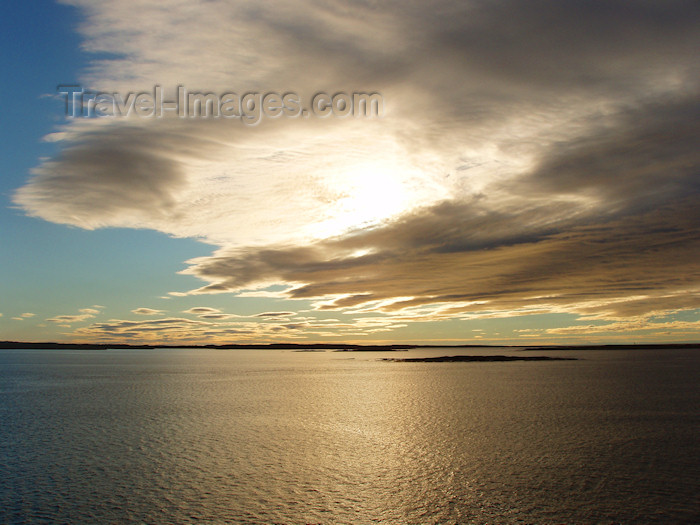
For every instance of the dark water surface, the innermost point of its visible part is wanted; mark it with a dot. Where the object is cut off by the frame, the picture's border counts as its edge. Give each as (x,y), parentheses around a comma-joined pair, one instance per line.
(266,436)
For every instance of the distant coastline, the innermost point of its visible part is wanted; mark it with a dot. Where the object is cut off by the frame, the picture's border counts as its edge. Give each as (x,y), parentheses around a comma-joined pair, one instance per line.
(338,347)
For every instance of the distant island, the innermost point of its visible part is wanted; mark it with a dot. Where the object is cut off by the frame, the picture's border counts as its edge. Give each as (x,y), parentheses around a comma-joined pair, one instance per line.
(475,359)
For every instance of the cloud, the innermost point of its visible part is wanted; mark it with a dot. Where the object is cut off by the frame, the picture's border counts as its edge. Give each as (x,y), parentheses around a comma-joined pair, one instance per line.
(85,314)
(450,256)
(467,88)
(633,160)
(534,157)
(625,327)
(22,317)
(205,312)
(92,311)
(275,314)
(175,330)
(146,311)
(69,319)
(202,310)
(151,330)
(99,163)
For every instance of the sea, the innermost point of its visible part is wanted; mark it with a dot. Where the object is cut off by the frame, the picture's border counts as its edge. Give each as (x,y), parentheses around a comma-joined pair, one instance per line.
(323,437)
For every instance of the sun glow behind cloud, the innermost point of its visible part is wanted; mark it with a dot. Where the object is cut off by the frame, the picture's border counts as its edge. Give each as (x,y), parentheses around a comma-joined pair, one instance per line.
(370,192)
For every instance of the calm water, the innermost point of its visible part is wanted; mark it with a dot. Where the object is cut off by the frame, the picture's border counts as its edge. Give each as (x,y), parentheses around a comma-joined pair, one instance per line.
(183,436)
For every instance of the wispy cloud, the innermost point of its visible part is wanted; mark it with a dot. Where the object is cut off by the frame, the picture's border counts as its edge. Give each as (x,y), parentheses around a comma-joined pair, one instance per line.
(146,311)
(626,326)
(202,310)
(588,268)
(22,317)
(275,314)
(224,330)
(69,319)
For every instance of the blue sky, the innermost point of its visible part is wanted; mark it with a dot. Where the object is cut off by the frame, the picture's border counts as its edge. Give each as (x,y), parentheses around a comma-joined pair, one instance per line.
(49,269)
(528,183)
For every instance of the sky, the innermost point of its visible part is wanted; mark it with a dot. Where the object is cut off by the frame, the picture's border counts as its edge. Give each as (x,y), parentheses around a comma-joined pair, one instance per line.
(531,174)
